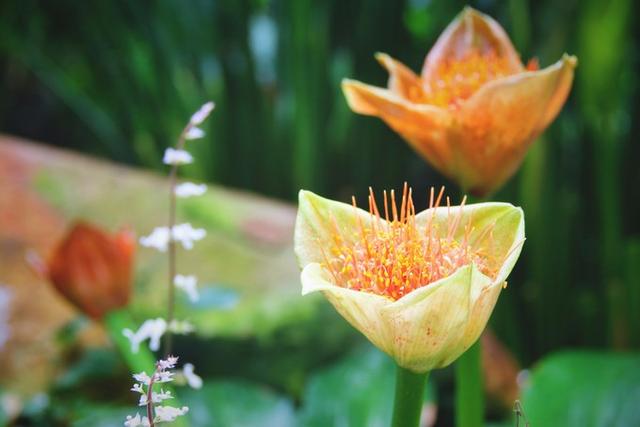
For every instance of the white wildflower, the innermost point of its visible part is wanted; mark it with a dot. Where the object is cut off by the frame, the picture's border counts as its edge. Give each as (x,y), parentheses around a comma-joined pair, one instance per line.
(194,132)
(168,363)
(156,397)
(186,234)
(137,421)
(163,395)
(188,189)
(158,239)
(188,284)
(181,327)
(164,377)
(176,157)
(169,413)
(193,379)
(151,329)
(183,233)
(142,378)
(200,115)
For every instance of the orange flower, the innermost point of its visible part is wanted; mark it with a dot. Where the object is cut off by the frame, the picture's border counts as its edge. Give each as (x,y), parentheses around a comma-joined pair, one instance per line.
(92,269)
(475,109)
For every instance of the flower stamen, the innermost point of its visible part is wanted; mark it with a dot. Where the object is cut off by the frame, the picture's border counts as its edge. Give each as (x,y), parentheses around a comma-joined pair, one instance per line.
(394,257)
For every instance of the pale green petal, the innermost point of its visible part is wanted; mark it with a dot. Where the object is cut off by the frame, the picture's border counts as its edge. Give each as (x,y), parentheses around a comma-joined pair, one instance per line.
(361,309)
(314,225)
(482,309)
(507,235)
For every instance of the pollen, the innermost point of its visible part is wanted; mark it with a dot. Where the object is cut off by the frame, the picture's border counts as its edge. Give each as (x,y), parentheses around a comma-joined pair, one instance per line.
(393,254)
(456,79)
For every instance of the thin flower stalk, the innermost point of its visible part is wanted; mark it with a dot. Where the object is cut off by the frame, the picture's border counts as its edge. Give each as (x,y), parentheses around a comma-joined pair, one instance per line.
(190,131)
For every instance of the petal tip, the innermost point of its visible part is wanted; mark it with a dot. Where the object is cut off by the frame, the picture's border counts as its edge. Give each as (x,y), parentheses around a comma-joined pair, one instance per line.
(570,60)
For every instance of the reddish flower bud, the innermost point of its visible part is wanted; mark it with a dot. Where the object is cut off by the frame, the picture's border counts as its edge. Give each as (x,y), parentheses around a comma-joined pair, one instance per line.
(93,269)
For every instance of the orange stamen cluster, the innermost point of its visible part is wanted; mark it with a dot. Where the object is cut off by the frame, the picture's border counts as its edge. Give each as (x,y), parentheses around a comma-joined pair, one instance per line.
(456,79)
(395,255)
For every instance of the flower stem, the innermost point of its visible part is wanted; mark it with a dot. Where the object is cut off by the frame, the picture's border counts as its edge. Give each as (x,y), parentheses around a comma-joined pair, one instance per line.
(469,392)
(407,405)
(173,180)
(469,408)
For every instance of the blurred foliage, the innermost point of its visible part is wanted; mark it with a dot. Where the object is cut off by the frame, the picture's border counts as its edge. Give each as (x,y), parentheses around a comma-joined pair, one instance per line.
(366,401)
(585,389)
(119,79)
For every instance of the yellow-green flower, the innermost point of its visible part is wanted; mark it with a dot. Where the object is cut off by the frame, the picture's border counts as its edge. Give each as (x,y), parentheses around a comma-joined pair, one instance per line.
(420,287)
(475,108)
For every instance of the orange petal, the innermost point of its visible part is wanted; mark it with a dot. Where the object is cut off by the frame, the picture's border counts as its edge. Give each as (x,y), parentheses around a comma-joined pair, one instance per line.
(498,123)
(424,126)
(471,31)
(402,81)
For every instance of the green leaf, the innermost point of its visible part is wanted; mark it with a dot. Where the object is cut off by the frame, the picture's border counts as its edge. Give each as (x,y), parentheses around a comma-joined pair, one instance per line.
(586,389)
(238,404)
(357,391)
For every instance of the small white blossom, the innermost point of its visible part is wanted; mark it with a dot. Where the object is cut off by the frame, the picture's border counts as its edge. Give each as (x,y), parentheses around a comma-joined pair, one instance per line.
(163,395)
(183,233)
(164,377)
(194,132)
(181,327)
(151,329)
(158,239)
(200,115)
(168,363)
(188,284)
(186,234)
(156,397)
(169,413)
(188,189)
(193,379)
(142,378)
(137,421)
(176,157)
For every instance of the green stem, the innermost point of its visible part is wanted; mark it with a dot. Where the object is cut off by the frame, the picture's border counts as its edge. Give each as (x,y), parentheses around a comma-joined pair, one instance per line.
(469,392)
(409,397)
(469,408)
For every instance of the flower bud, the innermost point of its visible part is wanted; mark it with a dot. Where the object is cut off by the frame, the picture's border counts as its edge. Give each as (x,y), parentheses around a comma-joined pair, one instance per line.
(93,269)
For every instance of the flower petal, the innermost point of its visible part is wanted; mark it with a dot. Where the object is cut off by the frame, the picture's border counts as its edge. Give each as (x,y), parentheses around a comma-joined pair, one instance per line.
(471,31)
(316,225)
(361,309)
(498,123)
(424,126)
(402,81)
(427,325)
(506,224)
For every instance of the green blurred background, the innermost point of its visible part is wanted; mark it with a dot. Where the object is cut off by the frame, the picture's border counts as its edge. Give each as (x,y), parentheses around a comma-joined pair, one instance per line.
(119,79)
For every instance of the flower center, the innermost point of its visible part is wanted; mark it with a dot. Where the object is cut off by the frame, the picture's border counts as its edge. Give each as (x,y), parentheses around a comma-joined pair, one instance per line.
(396,255)
(456,79)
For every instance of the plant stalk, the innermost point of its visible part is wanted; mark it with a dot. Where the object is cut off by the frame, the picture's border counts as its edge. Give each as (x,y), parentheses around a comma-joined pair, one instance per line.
(469,395)
(172,255)
(409,396)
